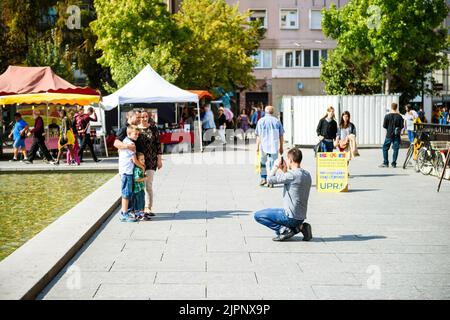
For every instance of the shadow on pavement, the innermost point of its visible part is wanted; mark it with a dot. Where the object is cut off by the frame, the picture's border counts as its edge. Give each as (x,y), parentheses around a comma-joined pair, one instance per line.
(200,214)
(362,190)
(376,175)
(345,237)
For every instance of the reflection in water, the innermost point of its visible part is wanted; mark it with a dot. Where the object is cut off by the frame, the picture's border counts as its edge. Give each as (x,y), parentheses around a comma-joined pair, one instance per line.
(29,202)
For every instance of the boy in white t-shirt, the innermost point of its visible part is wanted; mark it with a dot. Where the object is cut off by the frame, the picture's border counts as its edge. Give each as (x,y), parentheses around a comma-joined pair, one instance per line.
(127,161)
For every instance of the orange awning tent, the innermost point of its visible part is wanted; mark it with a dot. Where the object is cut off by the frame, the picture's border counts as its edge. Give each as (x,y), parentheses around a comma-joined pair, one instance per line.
(202,94)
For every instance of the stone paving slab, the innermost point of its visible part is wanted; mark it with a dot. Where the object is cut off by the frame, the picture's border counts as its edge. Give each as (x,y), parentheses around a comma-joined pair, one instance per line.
(391,229)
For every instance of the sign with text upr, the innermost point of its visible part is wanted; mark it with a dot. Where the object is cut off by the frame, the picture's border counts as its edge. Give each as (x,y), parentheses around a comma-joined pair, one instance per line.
(332,172)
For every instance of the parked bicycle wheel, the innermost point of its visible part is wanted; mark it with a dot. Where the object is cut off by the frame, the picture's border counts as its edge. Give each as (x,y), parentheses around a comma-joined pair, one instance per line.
(423,163)
(409,155)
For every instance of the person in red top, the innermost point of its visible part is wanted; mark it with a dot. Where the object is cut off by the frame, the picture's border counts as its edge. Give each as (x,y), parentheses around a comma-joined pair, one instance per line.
(38,140)
(83,128)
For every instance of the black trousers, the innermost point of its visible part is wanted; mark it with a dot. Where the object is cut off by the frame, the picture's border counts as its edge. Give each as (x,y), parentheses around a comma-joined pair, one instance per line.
(39,143)
(86,141)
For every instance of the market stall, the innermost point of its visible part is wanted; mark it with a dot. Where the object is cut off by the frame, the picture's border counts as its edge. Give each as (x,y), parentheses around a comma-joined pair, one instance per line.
(30,88)
(149,87)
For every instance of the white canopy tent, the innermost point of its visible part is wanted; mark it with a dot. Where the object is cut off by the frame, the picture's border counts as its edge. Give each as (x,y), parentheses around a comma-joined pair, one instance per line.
(149,87)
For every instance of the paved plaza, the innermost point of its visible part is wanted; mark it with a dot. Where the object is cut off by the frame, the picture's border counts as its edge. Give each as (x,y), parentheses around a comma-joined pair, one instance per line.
(387,238)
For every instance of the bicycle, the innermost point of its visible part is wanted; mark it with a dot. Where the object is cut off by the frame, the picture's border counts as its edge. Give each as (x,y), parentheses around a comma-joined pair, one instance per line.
(412,151)
(431,156)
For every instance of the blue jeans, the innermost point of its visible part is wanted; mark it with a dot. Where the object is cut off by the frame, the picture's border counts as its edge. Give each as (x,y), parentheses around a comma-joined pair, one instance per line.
(275,218)
(139,200)
(272,157)
(326,146)
(411,136)
(386,146)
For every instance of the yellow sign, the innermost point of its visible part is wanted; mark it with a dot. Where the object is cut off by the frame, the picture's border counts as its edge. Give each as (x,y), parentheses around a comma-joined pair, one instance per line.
(332,172)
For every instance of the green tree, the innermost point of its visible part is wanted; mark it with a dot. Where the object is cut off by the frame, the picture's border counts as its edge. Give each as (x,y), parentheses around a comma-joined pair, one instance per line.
(206,44)
(21,23)
(132,34)
(48,51)
(221,40)
(384,45)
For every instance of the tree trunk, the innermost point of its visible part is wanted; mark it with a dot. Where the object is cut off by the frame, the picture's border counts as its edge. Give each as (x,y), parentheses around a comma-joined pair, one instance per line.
(387,83)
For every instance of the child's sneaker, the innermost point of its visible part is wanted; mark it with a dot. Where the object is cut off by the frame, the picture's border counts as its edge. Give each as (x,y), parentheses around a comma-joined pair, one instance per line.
(126,217)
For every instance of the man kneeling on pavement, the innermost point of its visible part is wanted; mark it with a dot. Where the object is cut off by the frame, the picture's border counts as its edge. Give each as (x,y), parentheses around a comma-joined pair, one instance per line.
(288,221)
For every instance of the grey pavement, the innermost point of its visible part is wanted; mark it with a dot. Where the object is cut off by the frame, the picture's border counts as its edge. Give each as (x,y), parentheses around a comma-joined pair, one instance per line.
(388,238)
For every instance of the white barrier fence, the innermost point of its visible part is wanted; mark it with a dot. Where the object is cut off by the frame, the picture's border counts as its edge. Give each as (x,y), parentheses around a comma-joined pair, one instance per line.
(301,115)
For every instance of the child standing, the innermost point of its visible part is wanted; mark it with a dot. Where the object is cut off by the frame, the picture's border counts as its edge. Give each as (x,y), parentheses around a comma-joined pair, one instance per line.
(139,187)
(127,161)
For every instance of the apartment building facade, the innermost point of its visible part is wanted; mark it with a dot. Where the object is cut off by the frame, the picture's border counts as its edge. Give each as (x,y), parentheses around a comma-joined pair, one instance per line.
(290,55)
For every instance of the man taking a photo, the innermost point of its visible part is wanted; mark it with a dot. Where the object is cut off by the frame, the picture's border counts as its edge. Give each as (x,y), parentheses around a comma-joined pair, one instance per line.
(288,221)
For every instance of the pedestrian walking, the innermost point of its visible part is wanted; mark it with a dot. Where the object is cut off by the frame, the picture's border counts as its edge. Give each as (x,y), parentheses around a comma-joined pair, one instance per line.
(66,138)
(393,123)
(152,156)
(410,118)
(243,122)
(38,132)
(18,133)
(76,145)
(222,123)
(327,131)
(269,142)
(84,132)
(256,116)
(443,119)
(289,220)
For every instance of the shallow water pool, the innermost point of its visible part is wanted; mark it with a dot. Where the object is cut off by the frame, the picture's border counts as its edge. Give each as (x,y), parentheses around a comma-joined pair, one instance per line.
(31,201)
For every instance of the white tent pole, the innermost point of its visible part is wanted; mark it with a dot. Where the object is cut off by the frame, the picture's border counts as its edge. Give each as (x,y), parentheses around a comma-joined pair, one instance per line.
(199,127)
(118,117)
(176,112)
(48,130)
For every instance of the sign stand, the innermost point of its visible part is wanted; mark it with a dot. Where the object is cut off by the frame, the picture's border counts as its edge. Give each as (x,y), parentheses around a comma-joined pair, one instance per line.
(332,172)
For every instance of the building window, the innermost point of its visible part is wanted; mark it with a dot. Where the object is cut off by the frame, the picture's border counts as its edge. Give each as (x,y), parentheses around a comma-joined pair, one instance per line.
(298,58)
(307,59)
(315,20)
(259,14)
(324,54)
(289,58)
(263,59)
(289,18)
(315,58)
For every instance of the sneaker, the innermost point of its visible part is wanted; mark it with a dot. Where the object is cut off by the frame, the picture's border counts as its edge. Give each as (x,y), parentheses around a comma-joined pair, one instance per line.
(56,163)
(383,165)
(394,165)
(285,234)
(262,182)
(27,161)
(270,185)
(126,217)
(150,214)
(13,160)
(306,231)
(98,160)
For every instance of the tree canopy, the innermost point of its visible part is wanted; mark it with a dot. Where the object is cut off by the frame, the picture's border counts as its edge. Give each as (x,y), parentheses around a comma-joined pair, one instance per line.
(389,46)
(206,44)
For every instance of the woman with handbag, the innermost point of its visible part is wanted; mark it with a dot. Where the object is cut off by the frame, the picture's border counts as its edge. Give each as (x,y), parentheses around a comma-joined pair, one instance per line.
(66,138)
(346,136)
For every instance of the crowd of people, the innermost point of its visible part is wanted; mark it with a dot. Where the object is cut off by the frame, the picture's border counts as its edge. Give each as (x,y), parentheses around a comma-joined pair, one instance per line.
(75,135)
